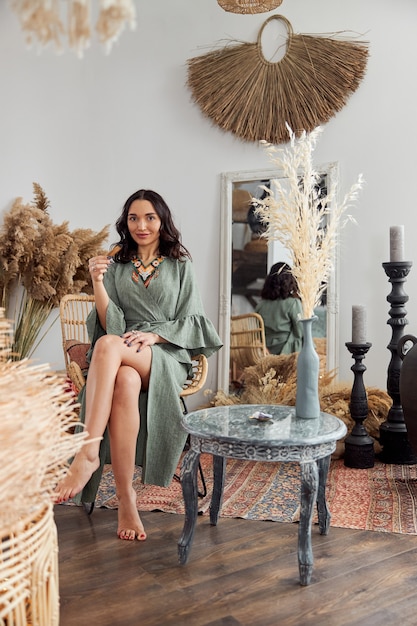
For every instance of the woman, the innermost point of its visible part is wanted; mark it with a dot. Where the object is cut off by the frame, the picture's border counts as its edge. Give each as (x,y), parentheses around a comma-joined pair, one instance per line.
(147,324)
(281,309)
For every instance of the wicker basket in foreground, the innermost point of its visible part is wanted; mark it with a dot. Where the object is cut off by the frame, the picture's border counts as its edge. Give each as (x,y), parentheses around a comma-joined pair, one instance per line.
(37,419)
(29,571)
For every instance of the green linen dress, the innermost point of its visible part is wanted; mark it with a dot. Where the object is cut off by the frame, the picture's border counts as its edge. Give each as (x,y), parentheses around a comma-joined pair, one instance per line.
(171,307)
(283,332)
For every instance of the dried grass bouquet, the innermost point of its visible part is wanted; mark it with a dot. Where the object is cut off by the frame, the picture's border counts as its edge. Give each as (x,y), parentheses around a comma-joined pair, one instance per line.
(39,263)
(304,221)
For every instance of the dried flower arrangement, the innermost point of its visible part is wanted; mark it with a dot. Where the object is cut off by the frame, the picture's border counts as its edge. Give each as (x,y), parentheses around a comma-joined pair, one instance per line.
(41,21)
(39,263)
(306,223)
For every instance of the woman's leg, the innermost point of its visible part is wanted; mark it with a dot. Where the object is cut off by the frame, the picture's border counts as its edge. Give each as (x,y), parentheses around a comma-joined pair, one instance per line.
(123,431)
(110,353)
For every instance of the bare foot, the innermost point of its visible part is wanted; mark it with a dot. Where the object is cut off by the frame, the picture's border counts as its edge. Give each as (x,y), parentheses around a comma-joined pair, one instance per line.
(80,472)
(129,525)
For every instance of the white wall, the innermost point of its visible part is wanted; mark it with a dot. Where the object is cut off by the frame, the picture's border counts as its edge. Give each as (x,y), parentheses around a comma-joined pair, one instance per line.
(92,131)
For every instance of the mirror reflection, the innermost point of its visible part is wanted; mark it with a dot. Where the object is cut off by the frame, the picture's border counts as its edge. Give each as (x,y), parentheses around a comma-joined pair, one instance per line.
(247,258)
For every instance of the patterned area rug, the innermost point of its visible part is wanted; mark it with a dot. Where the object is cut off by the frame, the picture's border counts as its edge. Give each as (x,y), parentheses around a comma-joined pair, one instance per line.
(383,498)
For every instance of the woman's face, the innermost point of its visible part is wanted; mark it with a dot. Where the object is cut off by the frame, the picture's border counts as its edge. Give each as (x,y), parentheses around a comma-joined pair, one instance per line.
(144,224)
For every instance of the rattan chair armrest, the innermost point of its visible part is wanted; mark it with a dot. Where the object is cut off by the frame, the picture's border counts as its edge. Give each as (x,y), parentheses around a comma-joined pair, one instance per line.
(200,369)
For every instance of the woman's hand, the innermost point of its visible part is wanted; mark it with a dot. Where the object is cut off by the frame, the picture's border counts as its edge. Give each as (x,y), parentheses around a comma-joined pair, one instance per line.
(98,267)
(139,340)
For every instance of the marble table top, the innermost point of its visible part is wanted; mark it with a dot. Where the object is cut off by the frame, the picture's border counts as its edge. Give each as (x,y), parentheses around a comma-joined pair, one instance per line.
(236,423)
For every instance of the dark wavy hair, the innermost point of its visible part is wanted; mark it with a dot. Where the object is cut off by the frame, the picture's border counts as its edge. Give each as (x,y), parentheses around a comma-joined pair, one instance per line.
(170,238)
(280,283)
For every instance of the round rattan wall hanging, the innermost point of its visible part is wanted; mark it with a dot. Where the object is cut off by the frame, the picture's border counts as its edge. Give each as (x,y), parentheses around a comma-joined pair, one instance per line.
(244,93)
(249,6)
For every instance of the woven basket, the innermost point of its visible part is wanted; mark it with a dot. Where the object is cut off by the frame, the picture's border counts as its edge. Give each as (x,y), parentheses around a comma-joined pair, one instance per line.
(249,6)
(29,592)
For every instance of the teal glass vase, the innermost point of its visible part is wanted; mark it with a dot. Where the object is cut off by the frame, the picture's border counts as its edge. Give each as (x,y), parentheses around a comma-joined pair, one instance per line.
(307,403)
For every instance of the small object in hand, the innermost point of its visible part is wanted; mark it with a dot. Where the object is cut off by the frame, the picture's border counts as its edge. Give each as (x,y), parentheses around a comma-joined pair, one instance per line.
(260,416)
(111,260)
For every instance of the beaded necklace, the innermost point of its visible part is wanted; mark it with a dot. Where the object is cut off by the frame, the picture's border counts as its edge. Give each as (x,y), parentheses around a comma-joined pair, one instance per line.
(148,272)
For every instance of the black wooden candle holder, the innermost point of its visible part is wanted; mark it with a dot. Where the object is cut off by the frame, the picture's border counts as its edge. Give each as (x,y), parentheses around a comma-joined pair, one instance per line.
(359,446)
(393,432)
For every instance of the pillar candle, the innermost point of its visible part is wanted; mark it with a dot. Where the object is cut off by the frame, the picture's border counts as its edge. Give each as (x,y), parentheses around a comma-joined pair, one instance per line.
(358,323)
(396,241)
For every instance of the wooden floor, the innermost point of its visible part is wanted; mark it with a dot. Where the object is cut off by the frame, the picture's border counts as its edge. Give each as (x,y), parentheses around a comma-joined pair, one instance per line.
(239,573)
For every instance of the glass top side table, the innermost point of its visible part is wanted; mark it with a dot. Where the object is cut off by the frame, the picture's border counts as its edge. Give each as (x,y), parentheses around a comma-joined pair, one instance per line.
(261,433)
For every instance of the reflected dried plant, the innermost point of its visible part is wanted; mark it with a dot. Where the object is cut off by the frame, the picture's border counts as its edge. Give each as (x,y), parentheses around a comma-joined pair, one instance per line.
(39,263)
(305,222)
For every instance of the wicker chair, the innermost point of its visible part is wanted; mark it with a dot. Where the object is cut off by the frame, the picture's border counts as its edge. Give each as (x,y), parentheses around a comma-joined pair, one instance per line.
(247,341)
(74,309)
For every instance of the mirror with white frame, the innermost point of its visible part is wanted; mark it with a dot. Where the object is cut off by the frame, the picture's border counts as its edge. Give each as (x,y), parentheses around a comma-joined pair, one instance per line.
(246,257)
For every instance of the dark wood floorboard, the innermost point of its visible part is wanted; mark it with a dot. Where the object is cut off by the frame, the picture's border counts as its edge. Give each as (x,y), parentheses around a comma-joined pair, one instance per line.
(240,573)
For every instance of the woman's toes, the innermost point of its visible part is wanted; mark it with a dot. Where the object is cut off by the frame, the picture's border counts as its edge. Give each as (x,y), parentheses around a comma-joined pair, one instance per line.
(126,534)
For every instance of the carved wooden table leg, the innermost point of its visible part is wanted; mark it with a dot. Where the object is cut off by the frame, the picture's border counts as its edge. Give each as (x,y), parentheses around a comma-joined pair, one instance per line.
(309,488)
(219,473)
(322,508)
(189,486)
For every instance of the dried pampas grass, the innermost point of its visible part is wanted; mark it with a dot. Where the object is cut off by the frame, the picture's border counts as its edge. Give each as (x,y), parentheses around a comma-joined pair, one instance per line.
(305,222)
(37,417)
(39,263)
(244,93)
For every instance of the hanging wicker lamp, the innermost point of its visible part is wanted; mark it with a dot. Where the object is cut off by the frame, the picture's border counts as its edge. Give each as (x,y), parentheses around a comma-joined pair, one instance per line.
(249,6)
(44,23)
(244,93)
